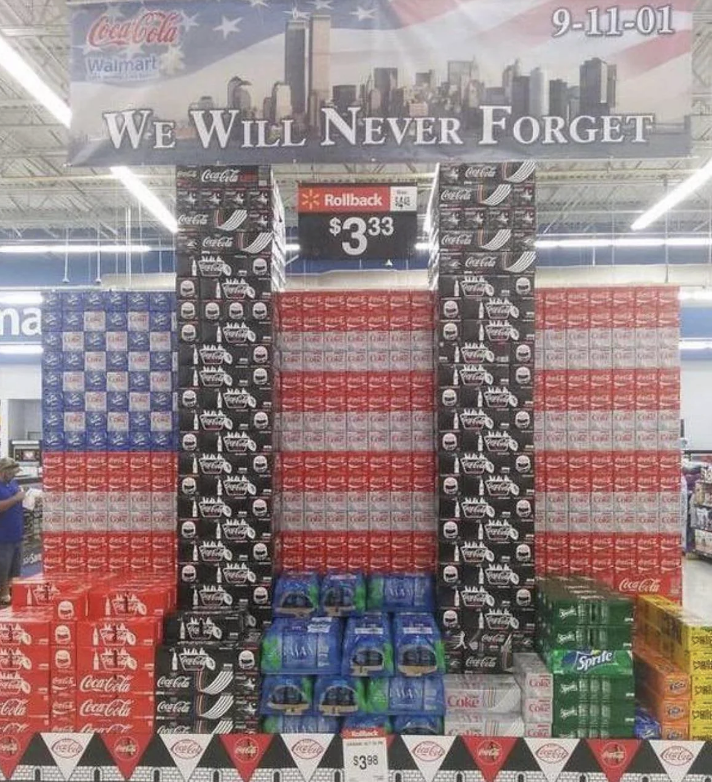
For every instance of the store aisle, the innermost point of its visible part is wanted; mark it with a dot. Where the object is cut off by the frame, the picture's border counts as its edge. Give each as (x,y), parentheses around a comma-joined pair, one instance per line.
(697,586)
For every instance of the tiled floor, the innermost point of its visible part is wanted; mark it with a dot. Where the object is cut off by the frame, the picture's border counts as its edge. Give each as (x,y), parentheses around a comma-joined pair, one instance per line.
(697,587)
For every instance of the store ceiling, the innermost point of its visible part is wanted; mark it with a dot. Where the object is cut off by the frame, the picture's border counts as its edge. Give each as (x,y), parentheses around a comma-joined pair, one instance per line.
(40,197)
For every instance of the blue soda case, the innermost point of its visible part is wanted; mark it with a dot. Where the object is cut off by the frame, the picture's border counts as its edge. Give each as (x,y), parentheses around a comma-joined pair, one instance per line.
(418,725)
(307,724)
(343,594)
(646,726)
(286,695)
(338,696)
(368,646)
(406,695)
(304,646)
(296,594)
(403,592)
(418,644)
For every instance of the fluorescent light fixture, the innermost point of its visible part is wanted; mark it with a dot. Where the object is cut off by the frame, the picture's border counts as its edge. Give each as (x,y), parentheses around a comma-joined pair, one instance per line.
(422,245)
(674,197)
(636,242)
(291,247)
(16,67)
(146,197)
(71,249)
(705,294)
(28,349)
(20,298)
(695,344)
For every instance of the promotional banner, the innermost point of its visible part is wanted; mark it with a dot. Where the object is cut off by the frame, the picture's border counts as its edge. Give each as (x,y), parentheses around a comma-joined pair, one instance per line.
(269,81)
(357,222)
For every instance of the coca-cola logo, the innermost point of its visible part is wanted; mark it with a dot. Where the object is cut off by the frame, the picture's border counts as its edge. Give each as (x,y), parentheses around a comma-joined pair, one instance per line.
(173,682)
(229,176)
(648,586)
(13,707)
(66,748)
(173,709)
(480,172)
(462,239)
(481,663)
(197,219)
(117,684)
(245,749)
(539,707)
(552,753)
(428,751)
(149,28)
(218,242)
(9,747)
(126,748)
(677,755)
(489,752)
(307,749)
(116,708)
(186,749)
(455,194)
(613,754)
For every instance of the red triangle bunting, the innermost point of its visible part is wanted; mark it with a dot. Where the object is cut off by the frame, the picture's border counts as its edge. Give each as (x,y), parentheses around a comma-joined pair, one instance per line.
(489,754)
(246,751)
(126,750)
(614,755)
(12,748)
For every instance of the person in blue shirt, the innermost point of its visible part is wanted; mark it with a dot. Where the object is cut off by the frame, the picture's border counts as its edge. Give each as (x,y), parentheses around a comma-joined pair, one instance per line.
(11,526)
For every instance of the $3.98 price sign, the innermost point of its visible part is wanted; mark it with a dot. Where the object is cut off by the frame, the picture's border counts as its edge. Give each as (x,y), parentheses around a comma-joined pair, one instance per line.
(357,223)
(365,759)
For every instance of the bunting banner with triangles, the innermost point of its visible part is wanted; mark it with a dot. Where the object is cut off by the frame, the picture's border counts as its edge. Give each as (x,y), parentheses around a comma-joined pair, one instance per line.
(126,750)
(66,750)
(71,756)
(12,748)
(489,754)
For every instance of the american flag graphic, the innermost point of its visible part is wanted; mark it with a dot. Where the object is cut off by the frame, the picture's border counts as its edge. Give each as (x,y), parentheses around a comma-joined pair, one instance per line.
(357,466)
(607,415)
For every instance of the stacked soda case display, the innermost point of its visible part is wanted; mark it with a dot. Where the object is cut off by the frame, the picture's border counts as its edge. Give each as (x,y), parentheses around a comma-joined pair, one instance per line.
(207,674)
(674,667)
(356,416)
(536,683)
(484,705)
(482,268)
(230,256)
(354,652)
(607,436)
(81,657)
(585,637)
(108,423)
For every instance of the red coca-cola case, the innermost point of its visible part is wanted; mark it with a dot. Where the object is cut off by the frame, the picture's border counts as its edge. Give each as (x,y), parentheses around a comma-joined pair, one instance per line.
(112,632)
(22,707)
(27,628)
(111,707)
(23,659)
(141,601)
(105,684)
(115,660)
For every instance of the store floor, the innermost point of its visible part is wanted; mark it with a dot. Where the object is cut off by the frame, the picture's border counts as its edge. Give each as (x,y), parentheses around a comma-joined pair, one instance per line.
(697,586)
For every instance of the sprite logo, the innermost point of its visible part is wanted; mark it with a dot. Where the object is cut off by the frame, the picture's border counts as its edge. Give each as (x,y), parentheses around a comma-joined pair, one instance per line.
(584,662)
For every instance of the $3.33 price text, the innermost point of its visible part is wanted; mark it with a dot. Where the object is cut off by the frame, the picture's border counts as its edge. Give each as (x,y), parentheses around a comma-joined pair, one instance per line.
(600,22)
(356,231)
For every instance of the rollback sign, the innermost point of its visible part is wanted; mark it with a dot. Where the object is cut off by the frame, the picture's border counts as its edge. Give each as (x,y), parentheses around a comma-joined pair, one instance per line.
(273,81)
(357,222)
